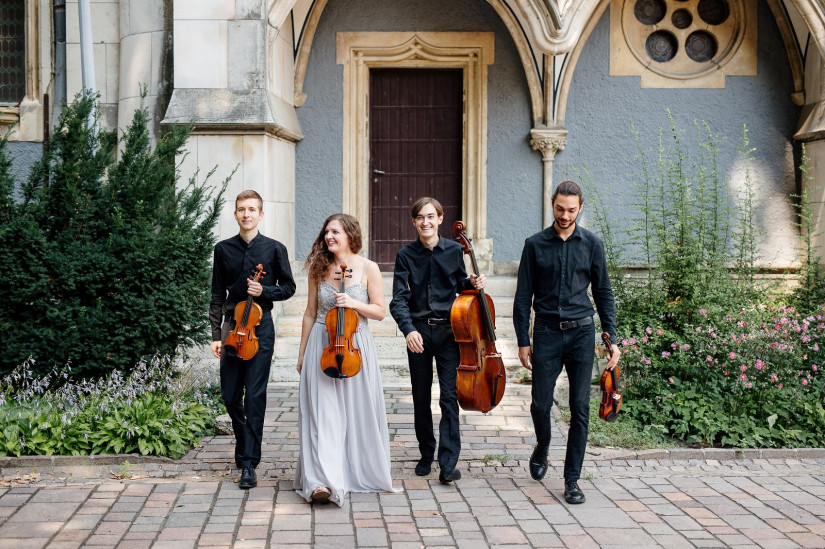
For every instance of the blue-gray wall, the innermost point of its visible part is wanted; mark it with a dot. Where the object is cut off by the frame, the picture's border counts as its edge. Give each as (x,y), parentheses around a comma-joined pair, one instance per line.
(23,155)
(601,108)
(513,169)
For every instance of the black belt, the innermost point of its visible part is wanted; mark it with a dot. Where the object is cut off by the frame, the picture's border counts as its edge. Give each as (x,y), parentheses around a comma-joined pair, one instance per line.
(433,321)
(565,324)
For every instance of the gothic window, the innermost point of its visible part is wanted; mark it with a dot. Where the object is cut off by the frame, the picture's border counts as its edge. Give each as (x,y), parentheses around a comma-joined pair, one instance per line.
(12,51)
(683,43)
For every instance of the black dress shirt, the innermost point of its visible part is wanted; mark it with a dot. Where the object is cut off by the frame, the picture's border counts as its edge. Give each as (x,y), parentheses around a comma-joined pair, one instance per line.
(553,277)
(425,282)
(235,260)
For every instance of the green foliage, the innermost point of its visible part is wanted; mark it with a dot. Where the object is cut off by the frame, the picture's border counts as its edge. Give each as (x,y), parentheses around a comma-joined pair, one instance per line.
(623,432)
(106,259)
(809,295)
(153,411)
(709,357)
(753,379)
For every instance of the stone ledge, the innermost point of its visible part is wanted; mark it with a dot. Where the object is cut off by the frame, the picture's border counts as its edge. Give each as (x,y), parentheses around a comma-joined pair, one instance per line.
(222,110)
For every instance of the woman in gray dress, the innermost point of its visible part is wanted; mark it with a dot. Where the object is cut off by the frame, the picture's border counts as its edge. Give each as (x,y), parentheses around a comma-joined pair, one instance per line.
(344,442)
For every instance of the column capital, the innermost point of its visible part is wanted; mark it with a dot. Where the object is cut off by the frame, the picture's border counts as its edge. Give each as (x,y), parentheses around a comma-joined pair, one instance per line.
(548,140)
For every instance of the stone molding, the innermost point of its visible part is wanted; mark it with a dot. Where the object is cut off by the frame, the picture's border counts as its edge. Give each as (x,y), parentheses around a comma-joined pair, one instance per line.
(359,52)
(556,24)
(212,110)
(548,141)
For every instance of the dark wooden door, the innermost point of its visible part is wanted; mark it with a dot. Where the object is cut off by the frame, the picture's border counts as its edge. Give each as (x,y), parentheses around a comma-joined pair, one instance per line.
(415,151)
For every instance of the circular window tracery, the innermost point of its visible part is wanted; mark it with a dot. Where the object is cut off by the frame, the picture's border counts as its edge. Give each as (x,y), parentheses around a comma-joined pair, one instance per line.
(683,38)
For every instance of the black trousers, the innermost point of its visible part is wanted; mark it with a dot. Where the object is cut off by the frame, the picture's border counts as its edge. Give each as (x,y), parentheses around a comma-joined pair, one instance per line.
(243,388)
(439,343)
(575,350)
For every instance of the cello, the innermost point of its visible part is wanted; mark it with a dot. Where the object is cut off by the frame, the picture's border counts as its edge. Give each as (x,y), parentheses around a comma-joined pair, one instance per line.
(609,382)
(481,376)
(242,342)
(341,359)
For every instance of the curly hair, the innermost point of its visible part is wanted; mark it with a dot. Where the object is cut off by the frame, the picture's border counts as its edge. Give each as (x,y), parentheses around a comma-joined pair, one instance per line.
(320,258)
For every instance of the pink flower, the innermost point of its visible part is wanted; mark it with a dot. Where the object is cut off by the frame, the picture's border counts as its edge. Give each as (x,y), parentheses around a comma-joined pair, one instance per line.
(665,354)
(814,367)
(670,380)
(624,343)
(644,339)
(743,377)
(774,378)
(780,385)
(709,358)
(674,345)
(649,330)
(816,346)
(703,312)
(685,347)
(759,364)
(804,381)
(632,340)
(743,367)
(659,332)
(731,355)
(698,329)
(748,384)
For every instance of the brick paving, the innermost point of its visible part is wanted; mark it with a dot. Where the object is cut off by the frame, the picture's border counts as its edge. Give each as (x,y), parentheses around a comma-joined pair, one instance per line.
(657,498)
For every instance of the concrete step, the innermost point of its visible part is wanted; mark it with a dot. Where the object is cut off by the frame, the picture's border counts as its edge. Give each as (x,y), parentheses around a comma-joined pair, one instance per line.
(388,348)
(291,326)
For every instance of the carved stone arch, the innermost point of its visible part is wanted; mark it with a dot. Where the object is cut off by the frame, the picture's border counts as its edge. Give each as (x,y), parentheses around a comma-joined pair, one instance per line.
(526,54)
(794,56)
(573,59)
(813,11)
(304,47)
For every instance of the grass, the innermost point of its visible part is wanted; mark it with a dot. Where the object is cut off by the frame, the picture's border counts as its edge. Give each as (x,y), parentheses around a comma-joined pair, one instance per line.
(621,433)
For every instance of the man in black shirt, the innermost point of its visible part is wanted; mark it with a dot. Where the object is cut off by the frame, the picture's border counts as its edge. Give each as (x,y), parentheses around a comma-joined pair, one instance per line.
(428,274)
(235,259)
(557,265)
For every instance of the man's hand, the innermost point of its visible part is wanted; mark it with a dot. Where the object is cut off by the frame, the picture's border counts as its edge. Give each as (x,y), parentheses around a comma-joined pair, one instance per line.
(253,288)
(478,281)
(614,357)
(216,349)
(415,342)
(525,355)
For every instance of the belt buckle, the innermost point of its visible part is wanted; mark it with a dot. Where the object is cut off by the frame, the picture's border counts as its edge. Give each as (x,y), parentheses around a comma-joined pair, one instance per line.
(432,321)
(567,324)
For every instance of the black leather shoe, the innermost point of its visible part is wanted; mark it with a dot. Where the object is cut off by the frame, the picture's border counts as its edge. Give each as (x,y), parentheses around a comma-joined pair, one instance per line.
(572,492)
(448,475)
(248,479)
(538,463)
(425,465)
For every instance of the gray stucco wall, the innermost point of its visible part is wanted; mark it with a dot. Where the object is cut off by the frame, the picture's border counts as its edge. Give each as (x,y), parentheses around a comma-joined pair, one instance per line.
(513,169)
(23,154)
(601,108)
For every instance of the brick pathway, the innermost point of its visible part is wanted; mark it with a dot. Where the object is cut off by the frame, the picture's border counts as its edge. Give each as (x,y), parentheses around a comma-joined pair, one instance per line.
(672,499)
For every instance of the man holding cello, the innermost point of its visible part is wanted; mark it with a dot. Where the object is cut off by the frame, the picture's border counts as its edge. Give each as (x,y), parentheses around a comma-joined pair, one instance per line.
(428,274)
(557,265)
(232,286)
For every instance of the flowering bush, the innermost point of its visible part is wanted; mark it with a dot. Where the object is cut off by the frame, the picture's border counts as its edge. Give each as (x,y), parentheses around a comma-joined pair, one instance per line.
(152,411)
(748,379)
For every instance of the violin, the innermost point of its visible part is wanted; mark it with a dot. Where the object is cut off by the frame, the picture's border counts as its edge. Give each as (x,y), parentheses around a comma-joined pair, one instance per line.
(341,359)
(611,393)
(242,342)
(481,376)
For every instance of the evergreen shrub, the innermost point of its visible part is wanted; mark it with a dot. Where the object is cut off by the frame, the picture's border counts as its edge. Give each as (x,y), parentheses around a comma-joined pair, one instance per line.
(106,258)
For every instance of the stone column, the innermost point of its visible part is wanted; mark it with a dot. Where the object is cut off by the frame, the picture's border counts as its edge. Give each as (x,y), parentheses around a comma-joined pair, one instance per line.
(144,46)
(549,141)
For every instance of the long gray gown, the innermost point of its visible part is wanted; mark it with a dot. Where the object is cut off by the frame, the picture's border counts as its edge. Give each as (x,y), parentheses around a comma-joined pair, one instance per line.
(344,442)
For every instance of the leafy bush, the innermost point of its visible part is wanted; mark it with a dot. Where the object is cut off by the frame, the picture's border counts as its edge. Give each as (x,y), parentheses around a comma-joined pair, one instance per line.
(751,379)
(151,411)
(105,260)
(709,356)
